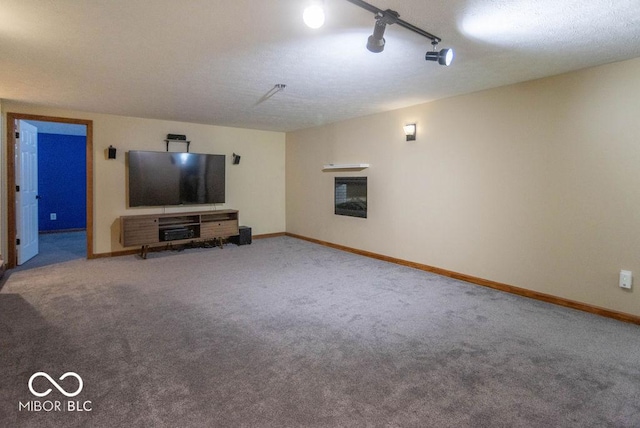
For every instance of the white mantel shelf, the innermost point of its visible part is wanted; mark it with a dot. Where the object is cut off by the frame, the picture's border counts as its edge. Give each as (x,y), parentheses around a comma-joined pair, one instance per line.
(331,166)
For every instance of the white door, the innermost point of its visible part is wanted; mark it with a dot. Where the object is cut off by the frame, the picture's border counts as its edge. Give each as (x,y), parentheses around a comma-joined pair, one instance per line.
(26,190)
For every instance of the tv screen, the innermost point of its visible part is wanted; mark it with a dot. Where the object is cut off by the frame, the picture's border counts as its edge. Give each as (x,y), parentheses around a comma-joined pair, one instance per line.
(167,178)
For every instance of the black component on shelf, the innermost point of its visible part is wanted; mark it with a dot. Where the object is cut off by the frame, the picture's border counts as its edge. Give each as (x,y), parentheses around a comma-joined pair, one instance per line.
(177,234)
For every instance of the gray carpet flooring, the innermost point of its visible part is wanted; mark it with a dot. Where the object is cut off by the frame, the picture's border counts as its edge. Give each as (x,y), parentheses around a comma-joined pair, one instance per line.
(286,333)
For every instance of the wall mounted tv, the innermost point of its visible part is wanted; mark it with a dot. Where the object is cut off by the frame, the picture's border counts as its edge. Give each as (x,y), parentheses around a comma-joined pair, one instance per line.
(168,178)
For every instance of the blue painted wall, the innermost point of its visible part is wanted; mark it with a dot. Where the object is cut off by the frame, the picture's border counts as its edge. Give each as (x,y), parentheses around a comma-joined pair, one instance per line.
(62,181)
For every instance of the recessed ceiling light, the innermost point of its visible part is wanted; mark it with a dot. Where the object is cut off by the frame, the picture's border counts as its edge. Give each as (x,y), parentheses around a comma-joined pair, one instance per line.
(313,16)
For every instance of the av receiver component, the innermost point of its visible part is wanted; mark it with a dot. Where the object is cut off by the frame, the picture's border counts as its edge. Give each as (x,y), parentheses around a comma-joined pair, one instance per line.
(176,234)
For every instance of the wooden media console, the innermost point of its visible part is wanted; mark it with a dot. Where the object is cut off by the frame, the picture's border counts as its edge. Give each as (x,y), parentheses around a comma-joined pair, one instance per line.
(178,228)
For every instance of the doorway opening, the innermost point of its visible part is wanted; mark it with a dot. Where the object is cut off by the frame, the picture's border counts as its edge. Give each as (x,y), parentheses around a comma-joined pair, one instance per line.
(73,222)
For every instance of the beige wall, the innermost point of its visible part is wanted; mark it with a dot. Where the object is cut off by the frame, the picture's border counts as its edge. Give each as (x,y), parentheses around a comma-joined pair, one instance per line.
(256,187)
(3,188)
(536,185)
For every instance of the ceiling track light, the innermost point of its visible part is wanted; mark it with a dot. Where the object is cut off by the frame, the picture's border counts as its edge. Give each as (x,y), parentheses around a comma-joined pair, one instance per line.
(376,41)
(443,56)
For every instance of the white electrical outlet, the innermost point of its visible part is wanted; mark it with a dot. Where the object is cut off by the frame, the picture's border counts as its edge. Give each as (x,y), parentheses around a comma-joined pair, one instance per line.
(53,216)
(626,279)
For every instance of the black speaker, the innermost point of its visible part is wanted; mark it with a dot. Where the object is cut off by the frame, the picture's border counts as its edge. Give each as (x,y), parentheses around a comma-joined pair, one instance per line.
(244,238)
(111,152)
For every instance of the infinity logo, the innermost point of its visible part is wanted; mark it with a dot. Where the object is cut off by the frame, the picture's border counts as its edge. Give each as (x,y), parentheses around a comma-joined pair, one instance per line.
(53,382)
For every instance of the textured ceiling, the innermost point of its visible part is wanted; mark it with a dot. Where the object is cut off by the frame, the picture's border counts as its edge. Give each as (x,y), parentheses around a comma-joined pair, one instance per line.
(217,62)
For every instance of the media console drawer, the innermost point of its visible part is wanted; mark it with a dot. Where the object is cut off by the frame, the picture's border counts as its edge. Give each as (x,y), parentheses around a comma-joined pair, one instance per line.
(138,230)
(219,229)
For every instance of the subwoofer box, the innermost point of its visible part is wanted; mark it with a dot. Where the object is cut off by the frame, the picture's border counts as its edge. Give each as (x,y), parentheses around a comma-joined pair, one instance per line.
(244,237)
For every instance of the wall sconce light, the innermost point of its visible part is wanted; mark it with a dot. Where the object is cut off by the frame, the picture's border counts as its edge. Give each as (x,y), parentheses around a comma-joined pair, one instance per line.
(111,152)
(410,131)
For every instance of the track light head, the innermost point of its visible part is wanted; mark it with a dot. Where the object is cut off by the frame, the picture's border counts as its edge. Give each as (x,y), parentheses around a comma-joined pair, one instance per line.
(444,56)
(376,41)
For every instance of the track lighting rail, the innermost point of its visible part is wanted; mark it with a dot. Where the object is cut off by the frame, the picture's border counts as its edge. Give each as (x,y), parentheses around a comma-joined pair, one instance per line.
(390,17)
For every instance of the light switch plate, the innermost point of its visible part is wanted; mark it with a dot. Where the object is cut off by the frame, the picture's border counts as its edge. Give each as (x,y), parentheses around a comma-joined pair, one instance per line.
(626,279)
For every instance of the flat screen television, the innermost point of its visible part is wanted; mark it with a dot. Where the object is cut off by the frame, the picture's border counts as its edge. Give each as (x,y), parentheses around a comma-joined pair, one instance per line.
(167,178)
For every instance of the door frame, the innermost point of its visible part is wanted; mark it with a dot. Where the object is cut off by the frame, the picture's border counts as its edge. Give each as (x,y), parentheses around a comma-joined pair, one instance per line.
(12,253)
